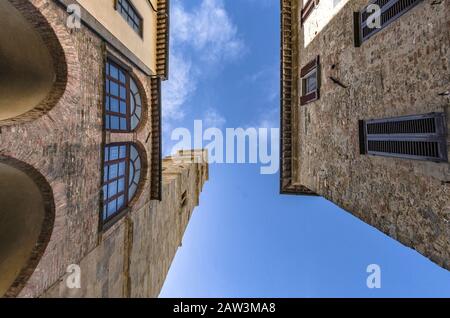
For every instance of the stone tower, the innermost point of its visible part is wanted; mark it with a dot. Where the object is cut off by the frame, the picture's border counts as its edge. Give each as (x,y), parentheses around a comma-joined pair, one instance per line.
(81,173)
(364,120)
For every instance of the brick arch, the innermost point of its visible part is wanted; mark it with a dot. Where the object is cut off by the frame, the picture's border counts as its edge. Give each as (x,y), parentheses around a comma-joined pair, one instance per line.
(56,38)
(46,229)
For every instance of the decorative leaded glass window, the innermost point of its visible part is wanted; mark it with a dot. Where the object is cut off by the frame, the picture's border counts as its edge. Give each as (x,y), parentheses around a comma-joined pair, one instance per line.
(121,178)
(123,103)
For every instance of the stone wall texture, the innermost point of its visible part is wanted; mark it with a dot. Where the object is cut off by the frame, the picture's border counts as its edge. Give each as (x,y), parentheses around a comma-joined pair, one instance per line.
(63,146)
(399,71)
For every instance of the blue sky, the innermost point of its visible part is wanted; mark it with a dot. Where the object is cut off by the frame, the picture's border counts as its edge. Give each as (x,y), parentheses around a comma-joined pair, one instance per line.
(246,240)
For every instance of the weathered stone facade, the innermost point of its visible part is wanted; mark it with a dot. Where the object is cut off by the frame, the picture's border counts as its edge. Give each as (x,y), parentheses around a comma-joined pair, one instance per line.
(402,70)
(60,147)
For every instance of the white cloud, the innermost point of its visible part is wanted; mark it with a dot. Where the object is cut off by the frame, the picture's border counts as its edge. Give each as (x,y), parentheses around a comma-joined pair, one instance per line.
(268,119)
(205,33)
(212,118)
(207,29)
(177,89)
(265,3)
(268,81)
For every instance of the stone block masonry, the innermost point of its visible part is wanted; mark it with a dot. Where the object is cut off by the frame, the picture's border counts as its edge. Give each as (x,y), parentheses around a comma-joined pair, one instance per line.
(402,70)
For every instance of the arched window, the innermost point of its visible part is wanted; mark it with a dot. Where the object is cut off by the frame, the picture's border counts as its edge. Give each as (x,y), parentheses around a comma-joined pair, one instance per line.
(122,174)
(123,101)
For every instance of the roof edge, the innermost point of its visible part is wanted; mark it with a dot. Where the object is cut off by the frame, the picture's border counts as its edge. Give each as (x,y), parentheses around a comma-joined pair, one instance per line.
(287,86)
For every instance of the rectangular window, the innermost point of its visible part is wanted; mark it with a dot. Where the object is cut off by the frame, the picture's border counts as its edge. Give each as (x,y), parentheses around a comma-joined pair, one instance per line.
(421,137)
(123,102)
(184,199)
(128,11)
(116,97)
(115,179)
(310,81)
(122,176)
(391,10)
(308,8)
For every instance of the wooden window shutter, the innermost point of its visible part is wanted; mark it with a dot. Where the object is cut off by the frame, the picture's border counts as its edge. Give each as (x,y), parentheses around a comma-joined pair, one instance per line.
(312,66)
(390,11)
(421,137)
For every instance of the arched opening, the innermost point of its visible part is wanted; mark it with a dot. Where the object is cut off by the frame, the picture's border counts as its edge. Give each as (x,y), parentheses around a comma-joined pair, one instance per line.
(124,168)
(26,219)
(27,67)
(125,100)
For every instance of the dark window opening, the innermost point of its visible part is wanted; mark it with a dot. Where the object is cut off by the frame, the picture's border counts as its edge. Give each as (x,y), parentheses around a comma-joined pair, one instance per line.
(421,137)
(121,178)
(184,199)
(128,11)
(123,103)
(390,11)
(310,82)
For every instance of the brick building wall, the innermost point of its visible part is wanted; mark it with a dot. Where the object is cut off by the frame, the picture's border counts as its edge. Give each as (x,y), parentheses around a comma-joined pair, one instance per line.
(64,145)
(60,146)
(402,70)
(135,255)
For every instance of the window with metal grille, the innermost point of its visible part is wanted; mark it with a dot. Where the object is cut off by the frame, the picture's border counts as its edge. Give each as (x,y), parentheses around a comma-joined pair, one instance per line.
(307,9)
(128,11)
(390,11)
(310,81)
(121,178)
(422,137)
(123,103)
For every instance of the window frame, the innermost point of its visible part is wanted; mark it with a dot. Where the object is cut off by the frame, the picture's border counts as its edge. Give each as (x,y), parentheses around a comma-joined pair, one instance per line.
(136,12)
(307,9)
(183,199)
(438,136)
(105,199)
(127,71)
(306,79)
(305,74)
(360,23)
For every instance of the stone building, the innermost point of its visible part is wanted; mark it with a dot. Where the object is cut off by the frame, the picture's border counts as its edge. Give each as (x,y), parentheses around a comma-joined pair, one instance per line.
(83,185)
(364,113)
